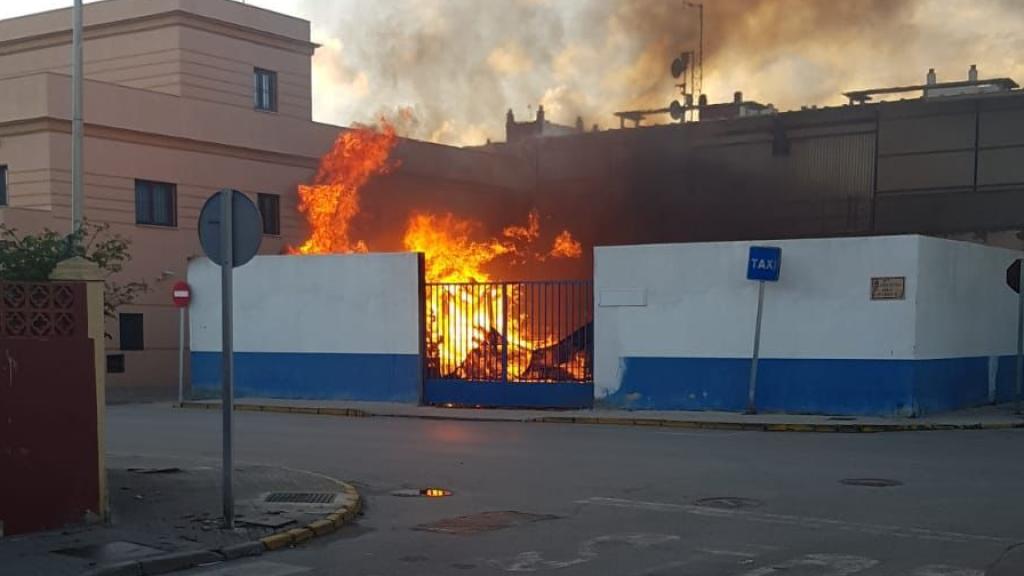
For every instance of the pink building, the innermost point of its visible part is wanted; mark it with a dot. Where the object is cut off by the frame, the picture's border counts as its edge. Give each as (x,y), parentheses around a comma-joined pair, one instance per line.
(182,98)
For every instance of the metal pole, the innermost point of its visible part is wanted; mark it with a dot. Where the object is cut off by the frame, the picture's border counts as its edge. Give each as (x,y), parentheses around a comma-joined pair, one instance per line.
(1020,341)
(700,57)
(227,345)
(181,355)
(752,390)
(76,117)
(504,333)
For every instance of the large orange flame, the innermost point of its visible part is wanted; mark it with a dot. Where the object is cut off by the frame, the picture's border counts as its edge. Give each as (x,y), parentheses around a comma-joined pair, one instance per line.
(449,250)
(456,253)
(332,201)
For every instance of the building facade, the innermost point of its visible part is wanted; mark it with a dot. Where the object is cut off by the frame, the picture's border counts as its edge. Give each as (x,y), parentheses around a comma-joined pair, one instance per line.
(182,98)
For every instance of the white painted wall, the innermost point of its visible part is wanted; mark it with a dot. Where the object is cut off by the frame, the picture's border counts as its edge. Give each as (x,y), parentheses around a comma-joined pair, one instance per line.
(363,303)
(964,307)
(693,300)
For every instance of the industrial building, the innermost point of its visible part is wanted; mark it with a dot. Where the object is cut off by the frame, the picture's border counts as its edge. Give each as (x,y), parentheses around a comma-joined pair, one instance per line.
(184,97)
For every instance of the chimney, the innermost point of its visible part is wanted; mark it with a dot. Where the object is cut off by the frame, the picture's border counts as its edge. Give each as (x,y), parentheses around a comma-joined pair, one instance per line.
(540,115)
(579,123)
(703,100)
(737,98)
(510,118)
(931,81)
(972,74)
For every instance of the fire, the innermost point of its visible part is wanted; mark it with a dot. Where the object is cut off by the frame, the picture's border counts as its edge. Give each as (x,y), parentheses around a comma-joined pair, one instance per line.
(450,253)
(332,201)
(566,246)
(476,312)
(480,317)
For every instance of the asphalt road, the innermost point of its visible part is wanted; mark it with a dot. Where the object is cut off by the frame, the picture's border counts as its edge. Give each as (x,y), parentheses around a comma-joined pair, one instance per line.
(625,501)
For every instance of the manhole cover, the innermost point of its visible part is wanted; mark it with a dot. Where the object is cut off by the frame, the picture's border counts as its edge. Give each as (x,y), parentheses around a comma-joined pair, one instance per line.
(484,522)
(301,497)
(871,482)
(728,502)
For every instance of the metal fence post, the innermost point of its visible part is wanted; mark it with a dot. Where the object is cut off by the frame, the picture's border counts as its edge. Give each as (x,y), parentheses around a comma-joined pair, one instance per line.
(504,332)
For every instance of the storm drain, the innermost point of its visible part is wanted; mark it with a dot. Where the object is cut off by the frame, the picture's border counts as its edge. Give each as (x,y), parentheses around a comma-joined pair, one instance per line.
(301,497)
(728,502)
(871,482)
(484,522)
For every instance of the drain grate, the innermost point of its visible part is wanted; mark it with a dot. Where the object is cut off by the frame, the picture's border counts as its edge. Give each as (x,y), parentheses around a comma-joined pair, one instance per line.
(871,482)
(728,502)
(301,497)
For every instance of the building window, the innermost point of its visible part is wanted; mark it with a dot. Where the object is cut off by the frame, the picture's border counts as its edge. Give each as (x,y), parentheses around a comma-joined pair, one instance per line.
(115,363)
(156,203)
(270,210)
(265,89)
(3,185)
(131,331)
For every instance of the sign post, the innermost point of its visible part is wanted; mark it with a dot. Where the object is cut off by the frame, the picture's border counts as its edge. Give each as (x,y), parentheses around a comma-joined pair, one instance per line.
(763,265)
(182,295)
(1015,279)
(230,233)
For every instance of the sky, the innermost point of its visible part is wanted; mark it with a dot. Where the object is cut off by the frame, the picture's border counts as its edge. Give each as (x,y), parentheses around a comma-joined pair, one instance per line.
(447,70)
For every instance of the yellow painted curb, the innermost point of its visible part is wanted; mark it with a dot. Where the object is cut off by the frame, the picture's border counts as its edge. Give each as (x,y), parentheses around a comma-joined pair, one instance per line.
(300,535)
(322,527)
(277,541)
(352,503)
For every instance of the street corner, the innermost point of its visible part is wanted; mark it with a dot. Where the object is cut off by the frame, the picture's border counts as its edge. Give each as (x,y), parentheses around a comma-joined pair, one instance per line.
(167,515)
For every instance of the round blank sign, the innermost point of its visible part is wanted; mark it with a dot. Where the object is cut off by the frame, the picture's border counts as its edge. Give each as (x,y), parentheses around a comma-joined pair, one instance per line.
(246,227)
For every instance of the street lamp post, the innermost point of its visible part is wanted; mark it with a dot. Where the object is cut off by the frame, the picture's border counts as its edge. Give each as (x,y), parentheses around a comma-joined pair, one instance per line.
(77,132)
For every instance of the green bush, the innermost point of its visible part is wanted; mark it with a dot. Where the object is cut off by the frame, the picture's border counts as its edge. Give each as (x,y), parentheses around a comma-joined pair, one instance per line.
(32,258)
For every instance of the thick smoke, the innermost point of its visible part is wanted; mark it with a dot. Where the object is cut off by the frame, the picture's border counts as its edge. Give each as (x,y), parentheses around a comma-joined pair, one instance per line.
(448,69)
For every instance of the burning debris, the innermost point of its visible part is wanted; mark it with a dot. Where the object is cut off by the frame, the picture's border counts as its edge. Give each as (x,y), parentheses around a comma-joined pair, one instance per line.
(480,317)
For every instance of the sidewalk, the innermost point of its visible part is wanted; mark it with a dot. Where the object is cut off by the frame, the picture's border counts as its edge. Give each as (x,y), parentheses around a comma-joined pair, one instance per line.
(984,418)
(166,516)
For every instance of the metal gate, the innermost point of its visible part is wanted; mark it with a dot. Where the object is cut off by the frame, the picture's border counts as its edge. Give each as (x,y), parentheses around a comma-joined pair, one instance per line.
(509,344)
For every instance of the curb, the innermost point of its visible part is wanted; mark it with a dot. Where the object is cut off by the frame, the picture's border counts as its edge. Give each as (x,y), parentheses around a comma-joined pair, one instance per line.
(351,505)
(645,422)
(348,412)
(781,427)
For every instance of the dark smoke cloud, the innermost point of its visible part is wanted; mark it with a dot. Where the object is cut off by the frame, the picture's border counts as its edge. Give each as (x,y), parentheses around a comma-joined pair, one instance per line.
(450,68)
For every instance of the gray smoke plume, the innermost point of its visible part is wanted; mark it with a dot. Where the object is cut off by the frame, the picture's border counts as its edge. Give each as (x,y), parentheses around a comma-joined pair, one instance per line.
(447,70)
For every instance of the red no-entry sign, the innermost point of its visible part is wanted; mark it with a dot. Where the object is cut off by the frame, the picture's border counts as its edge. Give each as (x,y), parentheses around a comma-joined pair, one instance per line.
(181,294)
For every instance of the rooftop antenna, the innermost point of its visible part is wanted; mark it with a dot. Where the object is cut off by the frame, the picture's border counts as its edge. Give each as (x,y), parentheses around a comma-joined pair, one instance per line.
(699,81)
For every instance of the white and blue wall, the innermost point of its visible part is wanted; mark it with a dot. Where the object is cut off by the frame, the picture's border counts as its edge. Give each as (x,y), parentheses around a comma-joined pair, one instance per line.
(313,327)
(674,327)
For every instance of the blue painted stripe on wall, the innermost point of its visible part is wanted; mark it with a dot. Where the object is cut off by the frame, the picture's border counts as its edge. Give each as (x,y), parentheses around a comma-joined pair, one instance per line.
(502,395)
(366,377)
(804,386)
